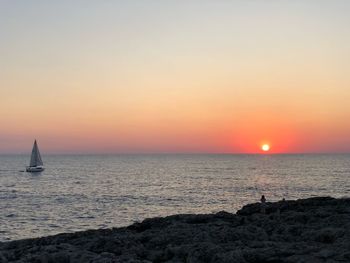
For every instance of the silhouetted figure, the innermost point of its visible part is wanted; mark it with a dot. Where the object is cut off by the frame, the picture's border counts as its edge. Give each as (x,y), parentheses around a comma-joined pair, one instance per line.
(263,204)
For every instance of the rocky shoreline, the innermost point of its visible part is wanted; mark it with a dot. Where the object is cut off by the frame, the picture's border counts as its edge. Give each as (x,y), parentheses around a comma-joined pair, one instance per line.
(306,230)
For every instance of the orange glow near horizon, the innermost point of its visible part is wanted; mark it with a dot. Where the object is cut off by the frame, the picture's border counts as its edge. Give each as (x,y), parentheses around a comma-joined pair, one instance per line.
(227,77)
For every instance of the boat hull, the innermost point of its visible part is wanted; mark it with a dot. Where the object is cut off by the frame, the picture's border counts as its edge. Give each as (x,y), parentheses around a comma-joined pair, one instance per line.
(35,169)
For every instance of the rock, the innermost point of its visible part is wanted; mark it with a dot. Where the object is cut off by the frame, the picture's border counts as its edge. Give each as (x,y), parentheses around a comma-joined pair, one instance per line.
(305,230)
(328,235)
(325,253)
(3,258)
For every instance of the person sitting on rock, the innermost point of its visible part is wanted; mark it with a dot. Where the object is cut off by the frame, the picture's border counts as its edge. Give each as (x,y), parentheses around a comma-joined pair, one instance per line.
(263,204)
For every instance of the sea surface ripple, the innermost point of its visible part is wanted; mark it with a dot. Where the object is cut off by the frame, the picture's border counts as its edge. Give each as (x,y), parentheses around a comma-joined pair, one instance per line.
(79,192)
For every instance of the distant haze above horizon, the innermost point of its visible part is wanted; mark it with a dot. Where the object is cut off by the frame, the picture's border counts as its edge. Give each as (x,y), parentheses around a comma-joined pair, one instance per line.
(175,76)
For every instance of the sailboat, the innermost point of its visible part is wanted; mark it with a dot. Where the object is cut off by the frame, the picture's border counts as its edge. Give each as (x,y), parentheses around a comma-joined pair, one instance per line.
(36,164)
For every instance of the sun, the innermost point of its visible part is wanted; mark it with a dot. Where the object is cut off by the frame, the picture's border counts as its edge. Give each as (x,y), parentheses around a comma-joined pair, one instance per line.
(265,147)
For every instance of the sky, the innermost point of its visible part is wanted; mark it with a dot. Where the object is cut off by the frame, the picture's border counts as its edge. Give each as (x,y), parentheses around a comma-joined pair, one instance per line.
(164,76)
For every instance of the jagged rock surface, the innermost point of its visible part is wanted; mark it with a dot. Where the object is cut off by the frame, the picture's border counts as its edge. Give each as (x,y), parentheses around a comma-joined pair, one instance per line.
(306,230)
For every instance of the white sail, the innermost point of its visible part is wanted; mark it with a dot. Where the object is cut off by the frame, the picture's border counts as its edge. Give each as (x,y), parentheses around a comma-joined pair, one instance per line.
(35,159)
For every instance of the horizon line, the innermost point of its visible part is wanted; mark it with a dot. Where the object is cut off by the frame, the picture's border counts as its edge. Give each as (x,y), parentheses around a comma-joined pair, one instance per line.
(180,153)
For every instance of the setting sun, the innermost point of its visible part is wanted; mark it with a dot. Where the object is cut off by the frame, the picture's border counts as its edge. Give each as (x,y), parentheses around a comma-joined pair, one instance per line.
(265,147)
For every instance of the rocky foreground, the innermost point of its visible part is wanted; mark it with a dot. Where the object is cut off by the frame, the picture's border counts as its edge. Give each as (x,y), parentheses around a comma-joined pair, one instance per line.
(307,230)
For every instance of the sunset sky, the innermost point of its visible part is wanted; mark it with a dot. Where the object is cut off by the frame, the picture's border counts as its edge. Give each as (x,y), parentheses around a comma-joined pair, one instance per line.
(175,76)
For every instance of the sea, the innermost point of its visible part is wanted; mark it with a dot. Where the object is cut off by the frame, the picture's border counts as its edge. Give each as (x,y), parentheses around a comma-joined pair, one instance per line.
(80,192)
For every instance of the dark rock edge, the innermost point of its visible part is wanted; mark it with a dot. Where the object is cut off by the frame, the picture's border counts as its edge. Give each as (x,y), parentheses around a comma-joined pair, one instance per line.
(306,230)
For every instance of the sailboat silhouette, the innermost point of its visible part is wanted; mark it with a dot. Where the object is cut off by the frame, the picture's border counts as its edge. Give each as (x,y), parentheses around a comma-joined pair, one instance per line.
(36,163)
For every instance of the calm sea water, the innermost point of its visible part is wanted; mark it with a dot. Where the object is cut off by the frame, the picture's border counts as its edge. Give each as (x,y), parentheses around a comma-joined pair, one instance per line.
(78,192)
